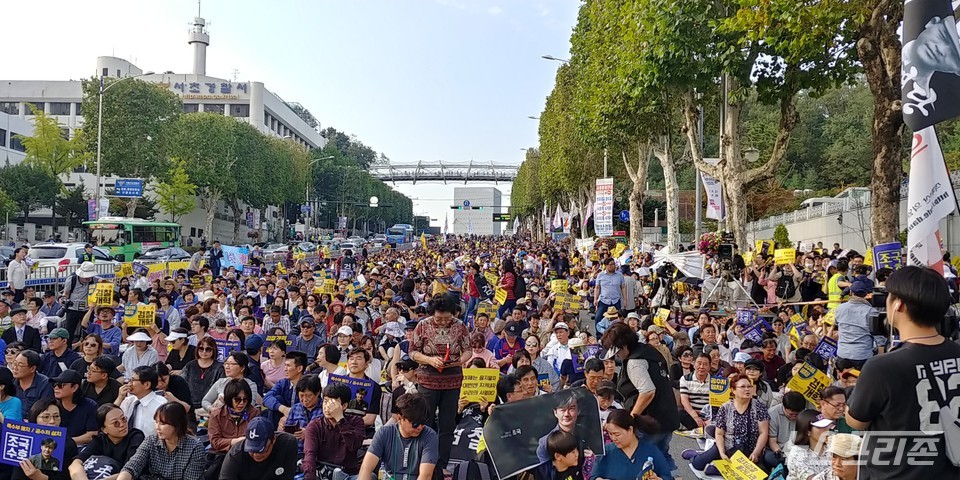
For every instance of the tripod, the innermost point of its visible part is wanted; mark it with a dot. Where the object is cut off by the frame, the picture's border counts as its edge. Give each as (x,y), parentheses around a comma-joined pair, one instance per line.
(722,290)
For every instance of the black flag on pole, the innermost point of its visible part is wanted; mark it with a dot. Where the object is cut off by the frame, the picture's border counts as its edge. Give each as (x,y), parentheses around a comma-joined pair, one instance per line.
(931,63)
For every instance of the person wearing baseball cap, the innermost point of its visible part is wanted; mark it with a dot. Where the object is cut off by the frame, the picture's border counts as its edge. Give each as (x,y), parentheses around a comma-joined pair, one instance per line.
(263,453)
(308,341)
(505,348)
(59,356)
(79,412)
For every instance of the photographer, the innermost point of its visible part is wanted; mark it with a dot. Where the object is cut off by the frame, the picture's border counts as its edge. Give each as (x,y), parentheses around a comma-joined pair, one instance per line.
(75,293)
(895,402)
(855,342)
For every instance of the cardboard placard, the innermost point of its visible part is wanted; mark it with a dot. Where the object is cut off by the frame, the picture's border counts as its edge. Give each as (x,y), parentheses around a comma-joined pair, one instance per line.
(101,295)
(887,255)
(809,382)
(720,391)
(827,348)
(581,355)
(566,302)
(224,347)
(784,256)
(487,308)
(139,315)
(500,297)
(492,278)
(745,316)
(559,286)
(660,319)
(361,392)
(25,441)
(124,269)
(480,384)
(739,467)
(250,271)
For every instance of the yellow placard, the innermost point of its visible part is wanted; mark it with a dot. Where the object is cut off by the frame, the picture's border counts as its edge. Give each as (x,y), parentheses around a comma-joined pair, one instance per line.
(739,467)
(661,317)
(720,391)
(500,297)
(124,269)
(101,294)
(829,318)
(481,444)
(480,384)
(559,286)
(329,286)
(487,308)
(492,278)
(784,256)
(747,258)
(809,382)
(139,315)
(439,288)
(618,250)
(566,301)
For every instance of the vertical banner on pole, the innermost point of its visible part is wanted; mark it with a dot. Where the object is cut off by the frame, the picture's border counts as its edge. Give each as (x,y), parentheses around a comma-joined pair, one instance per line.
(603,208)
(714,190)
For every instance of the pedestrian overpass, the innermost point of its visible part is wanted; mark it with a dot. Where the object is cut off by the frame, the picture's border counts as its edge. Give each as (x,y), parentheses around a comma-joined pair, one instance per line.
(440,171)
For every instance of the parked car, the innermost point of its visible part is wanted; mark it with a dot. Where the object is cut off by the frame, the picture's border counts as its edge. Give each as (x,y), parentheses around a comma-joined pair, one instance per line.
(6,254)
(164,254)
(65,254)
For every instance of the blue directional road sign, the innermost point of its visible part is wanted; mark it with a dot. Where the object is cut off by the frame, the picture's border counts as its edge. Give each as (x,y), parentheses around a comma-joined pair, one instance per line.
(624,215)
(128,187)
(304,208)
(466,203)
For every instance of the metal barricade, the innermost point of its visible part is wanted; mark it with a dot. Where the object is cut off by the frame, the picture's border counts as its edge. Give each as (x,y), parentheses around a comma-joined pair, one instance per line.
(52,277)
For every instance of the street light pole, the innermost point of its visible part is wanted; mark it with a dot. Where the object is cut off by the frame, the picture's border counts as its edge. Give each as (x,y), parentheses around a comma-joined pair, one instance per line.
(306,194)
(102,89)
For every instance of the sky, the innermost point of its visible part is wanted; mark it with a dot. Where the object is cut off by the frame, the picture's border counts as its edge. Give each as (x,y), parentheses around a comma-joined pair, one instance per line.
(450,80)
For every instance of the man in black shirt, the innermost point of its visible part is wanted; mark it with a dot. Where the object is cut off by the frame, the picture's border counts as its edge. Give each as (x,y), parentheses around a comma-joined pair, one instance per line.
(100,386)
(263,453)
(894,401)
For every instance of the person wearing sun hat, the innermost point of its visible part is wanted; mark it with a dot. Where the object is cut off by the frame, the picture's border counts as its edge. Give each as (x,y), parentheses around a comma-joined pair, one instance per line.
(141,353)
(609,316)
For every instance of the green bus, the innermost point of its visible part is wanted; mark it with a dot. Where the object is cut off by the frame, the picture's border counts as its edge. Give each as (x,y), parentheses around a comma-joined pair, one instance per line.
(126,238)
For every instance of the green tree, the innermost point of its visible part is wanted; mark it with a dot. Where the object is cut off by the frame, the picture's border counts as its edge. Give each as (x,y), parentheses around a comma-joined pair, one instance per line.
(137,117)
(175,193)
(29,186)
(72,205)
(206,142)
(8,206)
(781,236)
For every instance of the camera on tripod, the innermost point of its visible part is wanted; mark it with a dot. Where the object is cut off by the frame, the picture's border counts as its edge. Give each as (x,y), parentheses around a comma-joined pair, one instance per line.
(949,326)
(727,247)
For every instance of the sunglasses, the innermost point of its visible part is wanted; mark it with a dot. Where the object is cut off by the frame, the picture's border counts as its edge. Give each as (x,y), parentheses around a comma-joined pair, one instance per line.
(60,384)
(240,399)
(90,345)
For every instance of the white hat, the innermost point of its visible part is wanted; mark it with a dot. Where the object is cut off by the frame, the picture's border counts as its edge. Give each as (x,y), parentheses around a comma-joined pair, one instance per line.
(844,444)
(139,337)
(87,270)
(741,357)
(393,329)
(634,315)
(561,325)
(575,342)
(345,330)
(174,336)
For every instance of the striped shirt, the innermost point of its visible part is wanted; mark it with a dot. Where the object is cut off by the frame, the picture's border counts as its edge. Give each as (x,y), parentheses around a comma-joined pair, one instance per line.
(698,392)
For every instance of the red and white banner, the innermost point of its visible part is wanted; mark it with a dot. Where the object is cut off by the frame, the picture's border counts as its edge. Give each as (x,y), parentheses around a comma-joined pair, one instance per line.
(929,200)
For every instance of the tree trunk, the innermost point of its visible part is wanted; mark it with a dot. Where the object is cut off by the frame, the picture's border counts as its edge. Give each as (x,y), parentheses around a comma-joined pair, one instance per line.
(209,203)
(638,175)
(235,208)
(672,194)
(879,51)
(132,207)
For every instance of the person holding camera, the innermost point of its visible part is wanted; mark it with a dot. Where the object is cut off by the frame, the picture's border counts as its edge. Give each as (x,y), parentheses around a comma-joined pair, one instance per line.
(855,342)
(75,293)
(896,402)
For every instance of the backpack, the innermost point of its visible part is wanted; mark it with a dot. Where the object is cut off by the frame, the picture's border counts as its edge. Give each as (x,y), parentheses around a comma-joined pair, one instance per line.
(948,419)
(472,470)
(786,287)
(519,287)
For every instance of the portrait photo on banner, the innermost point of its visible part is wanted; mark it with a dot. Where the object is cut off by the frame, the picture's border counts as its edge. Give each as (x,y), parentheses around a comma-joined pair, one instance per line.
(516,433)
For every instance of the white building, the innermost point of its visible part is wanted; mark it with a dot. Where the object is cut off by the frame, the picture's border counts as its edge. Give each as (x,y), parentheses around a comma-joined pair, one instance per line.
(477,207)
(247,101)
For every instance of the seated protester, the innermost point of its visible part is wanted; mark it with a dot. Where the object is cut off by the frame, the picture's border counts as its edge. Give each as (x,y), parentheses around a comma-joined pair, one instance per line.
(10,406)
(234,367)
(807,455)
(181,352)
(564,458)
(306,410)
(140,354)
(765,392)
(308,341)
(19,331)
(786,371)
(717,365)
(833,406)
(139,401)
(272,366)
(356,368)
(90,347)
(115,441)
(695,393)
(771,361)
(683,365)
(111,335)
(171,453)
(31,384)
(172,387)
(283,395)
(79,412)
(528,380)
(405,381)
(742,425)
(46,412)
(228,423)
(202,372)
(100,386)
(783,423)
(262,453)
(334,438)
(626,455)
(253,347)
(407,449)
(327,363)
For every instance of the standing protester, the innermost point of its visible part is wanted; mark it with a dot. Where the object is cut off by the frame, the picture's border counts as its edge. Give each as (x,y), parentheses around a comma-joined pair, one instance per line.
(17,272)
(895,398)
(611,289)
(76,290)
(216,258)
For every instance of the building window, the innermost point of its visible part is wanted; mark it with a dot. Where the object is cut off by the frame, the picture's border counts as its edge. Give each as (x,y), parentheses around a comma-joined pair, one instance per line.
(213,108)
(59,108)
(106,72)
(191,107)
(38,105)
(240,110)
(16,145)
(266,118)
(118,73)
(3,138)
(10,108)
(79,109)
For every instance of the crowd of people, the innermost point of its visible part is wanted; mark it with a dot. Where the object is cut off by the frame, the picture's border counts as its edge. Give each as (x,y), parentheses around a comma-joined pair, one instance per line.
(352,367)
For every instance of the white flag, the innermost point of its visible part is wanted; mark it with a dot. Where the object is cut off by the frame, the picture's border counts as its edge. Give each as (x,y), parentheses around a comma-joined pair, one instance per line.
(587,213)
(929,199)
(558,218)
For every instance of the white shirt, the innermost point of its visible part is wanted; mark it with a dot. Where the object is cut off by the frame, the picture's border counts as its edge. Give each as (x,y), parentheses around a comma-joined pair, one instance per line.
(145,410)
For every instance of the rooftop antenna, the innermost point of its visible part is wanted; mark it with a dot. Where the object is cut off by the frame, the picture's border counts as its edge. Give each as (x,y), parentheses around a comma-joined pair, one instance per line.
(198,8)
(236,73)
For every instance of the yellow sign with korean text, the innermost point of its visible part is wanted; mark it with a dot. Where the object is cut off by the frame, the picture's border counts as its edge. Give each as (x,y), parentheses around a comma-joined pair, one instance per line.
(439,288)
(492,278)
(101,294)
(809,382)
(747,258)
(660,319)
(566,301)
(487,308)
(480,384)
(618,250)
(500,297)
(720,391)
(739,467)
(125,269)
(139,316)
(784,256)
(558,286)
